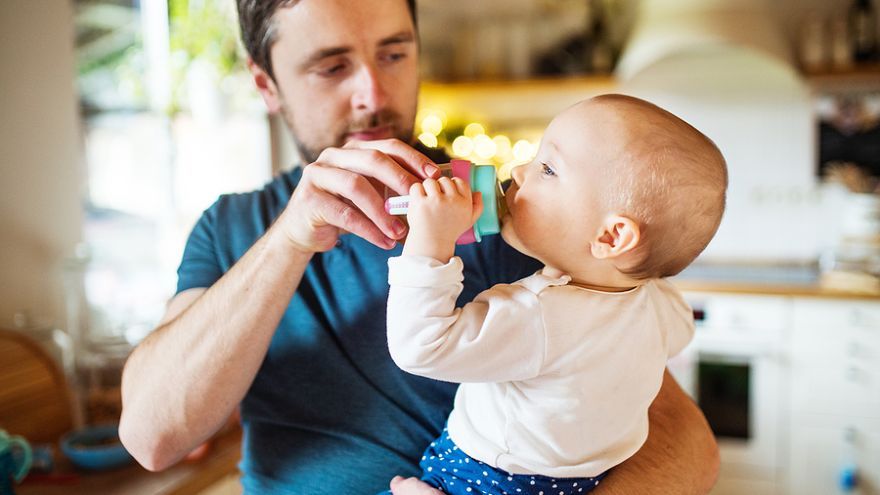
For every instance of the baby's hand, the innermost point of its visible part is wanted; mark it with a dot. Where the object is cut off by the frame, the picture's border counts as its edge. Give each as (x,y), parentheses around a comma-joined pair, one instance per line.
(439,212)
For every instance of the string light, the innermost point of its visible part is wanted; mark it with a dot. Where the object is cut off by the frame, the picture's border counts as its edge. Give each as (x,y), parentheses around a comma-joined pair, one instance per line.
(428,139)
(484,147)
(432,124)
(503,147)
(523,151)
(473,130)
(463,146)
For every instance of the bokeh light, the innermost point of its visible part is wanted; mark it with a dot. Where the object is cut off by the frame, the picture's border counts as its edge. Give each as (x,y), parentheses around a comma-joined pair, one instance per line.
(463,146)
(484,147)
(428,139)
(474,129)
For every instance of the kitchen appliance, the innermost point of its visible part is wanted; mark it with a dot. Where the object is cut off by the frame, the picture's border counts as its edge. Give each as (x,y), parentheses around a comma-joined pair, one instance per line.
(734,368)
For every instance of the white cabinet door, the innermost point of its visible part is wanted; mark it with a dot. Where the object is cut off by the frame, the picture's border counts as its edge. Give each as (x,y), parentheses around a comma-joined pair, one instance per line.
(835,401)
(823,447)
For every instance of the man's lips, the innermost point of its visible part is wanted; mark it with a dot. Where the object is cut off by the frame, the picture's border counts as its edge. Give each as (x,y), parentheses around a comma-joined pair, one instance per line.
(372,134)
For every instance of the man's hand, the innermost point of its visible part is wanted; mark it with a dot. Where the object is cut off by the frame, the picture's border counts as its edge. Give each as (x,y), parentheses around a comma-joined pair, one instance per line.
(412,486)
(439,212)
(336,194)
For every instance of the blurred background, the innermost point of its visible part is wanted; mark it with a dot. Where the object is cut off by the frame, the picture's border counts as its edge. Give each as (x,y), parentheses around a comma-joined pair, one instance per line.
(122,120)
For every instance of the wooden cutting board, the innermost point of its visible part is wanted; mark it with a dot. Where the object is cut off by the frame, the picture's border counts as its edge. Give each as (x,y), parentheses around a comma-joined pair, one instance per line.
(34,399)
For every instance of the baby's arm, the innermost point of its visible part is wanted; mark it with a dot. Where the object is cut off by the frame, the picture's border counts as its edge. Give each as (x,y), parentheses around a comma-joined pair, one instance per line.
(497,337)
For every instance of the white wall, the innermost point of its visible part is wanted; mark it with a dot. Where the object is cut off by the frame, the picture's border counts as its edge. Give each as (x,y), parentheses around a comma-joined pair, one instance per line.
(40,156)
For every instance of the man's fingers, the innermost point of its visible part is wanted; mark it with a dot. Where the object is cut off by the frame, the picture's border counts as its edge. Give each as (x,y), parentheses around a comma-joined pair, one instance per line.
(407,156)
(412,486)
(357,191)
(370,163)
(345,216)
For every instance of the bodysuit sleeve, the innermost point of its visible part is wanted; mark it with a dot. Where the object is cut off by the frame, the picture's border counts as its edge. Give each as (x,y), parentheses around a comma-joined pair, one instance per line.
(497,337)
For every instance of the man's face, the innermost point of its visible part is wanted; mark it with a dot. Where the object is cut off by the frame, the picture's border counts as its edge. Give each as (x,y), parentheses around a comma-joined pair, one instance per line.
(345,70)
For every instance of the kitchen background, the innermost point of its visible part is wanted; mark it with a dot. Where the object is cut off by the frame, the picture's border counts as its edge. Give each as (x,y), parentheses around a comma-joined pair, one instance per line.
(123,119)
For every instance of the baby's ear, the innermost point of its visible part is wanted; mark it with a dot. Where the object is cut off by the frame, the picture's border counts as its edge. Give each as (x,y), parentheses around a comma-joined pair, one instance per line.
(616,236)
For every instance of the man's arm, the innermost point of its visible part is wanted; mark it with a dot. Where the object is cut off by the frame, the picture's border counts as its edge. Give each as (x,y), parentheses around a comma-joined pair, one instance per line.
(183,381)
(680,455)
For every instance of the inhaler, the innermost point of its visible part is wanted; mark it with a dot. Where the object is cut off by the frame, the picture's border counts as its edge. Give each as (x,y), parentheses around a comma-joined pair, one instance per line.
(482,179)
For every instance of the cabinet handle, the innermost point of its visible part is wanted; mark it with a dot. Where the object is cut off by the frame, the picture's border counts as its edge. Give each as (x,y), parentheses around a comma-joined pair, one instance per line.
(852,374)
(853,349)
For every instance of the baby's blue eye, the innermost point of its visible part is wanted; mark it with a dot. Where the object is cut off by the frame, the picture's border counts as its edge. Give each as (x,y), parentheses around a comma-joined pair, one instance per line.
(546,170)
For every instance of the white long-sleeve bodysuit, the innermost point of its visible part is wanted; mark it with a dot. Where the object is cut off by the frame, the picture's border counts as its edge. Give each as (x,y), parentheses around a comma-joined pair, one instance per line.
(556,379)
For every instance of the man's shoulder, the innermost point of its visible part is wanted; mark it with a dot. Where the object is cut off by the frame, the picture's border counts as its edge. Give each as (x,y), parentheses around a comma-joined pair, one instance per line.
(268,200)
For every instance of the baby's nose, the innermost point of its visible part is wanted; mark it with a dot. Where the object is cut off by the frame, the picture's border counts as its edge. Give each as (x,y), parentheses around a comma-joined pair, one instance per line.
(516,174)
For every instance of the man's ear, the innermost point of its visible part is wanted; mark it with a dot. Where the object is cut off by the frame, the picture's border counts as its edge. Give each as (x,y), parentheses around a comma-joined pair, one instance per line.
(265,86)
(618,235)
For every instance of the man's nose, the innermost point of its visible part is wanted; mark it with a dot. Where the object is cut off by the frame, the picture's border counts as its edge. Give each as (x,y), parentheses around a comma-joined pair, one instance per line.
(369,94)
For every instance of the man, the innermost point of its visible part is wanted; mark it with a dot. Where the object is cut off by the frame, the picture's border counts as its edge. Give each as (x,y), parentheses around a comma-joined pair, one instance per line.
(279,313)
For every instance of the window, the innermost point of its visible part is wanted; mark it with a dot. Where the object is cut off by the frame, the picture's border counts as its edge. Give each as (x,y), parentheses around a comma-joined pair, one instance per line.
(171,121)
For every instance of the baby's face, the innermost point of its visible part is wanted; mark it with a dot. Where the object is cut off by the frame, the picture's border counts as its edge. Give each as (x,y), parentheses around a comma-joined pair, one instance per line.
(554,201)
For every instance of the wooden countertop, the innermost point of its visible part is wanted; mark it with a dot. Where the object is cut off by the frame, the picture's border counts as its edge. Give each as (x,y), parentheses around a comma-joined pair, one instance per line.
(794,290)
(777,278)
(185,478)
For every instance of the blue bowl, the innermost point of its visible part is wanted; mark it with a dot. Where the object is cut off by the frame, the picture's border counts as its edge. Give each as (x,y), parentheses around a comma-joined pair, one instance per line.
(96,448)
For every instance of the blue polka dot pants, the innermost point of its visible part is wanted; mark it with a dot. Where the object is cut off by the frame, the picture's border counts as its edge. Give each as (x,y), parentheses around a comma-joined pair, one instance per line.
(446,467)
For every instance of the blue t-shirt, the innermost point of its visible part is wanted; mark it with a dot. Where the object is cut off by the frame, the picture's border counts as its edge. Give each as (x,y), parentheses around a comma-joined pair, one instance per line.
(329,412)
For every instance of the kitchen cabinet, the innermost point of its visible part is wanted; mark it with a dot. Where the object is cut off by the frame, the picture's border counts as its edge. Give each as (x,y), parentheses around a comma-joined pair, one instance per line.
(835,396)
(736,371)
(819,353)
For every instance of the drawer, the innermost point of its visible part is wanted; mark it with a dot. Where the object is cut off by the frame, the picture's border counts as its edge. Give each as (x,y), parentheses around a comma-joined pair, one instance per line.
(835,389)
(812,313)
(843,346)
(741,311)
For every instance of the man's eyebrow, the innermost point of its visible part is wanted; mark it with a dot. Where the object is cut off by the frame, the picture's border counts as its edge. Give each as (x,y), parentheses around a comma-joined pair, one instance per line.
(323,53)
(401,37)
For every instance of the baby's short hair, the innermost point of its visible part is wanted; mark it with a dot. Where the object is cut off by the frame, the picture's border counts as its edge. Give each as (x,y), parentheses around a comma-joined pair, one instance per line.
(671,179)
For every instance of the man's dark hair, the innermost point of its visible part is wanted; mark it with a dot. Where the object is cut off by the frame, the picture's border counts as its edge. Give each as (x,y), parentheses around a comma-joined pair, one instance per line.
(256,18)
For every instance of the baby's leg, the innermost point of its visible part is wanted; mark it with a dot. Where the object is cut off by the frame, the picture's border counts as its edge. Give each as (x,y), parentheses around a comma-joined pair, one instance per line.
(454,472)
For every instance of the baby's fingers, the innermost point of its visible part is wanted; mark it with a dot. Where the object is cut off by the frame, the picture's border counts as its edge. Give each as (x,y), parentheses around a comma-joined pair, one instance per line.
(462,187)
(448,186)
(477,203)
(432,188)
(417,190)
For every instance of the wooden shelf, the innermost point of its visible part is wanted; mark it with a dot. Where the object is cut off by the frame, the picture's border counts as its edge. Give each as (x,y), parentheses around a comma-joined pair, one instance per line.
(520,102)
(862,77)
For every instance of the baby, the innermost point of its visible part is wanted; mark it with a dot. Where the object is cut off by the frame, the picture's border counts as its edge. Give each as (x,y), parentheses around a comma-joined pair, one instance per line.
(558,369)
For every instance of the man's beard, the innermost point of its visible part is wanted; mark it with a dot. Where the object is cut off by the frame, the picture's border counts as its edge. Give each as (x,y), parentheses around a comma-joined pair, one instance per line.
(309,153)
